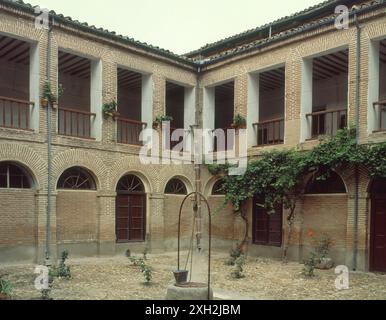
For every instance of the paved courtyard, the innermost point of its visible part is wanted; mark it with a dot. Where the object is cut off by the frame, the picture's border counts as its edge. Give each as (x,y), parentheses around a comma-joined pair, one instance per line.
(117,279)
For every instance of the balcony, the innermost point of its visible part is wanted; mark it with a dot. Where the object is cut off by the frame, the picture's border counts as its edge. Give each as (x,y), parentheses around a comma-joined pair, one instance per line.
(128,131)
(269,132)
(327,122)
(15,114)
(75,123)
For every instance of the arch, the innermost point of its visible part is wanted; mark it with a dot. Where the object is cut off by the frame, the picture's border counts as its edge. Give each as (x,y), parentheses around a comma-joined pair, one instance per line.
(76,178)
(83,159)
(176,186)
(27,158)
(333,184)
(217,188)
(130,183)
(183,180)
(15,176)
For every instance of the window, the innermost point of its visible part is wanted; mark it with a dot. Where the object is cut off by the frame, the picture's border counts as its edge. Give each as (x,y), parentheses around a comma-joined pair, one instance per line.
(13,176)
(76,179)
(332,185)
(130,184)
(218,188)
(176,186)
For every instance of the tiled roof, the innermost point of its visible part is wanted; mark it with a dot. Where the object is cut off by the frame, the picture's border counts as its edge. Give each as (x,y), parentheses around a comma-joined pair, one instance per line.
(231,46)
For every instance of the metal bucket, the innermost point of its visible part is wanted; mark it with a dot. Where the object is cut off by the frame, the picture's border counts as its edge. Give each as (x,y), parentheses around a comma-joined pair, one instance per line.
(181,276)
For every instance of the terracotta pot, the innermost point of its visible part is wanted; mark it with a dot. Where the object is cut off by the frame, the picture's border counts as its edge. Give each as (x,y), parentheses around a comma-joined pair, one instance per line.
(44,102)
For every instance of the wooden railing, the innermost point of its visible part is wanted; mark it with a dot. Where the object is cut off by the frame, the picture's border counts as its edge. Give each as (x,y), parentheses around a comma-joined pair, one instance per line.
(15,113)
(217,147)
(74,123)
(327,122)
(381,115)
(270,132)
(128,131)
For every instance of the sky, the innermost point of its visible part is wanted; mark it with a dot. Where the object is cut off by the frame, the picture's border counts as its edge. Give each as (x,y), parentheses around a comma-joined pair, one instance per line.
(177,25)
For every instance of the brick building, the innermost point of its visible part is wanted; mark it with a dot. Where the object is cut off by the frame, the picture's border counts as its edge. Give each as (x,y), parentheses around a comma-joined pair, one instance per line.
(294,80)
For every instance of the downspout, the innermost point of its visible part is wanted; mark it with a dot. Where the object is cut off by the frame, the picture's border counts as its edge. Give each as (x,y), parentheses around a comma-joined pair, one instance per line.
(357,124)
(49,147)
(197,166)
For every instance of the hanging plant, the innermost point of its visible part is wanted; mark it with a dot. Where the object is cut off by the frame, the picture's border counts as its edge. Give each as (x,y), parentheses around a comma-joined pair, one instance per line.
(110,109)
(160,119)
(239,122)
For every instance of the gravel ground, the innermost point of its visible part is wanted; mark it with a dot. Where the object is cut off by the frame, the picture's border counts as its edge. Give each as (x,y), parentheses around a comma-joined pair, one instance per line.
(116,279)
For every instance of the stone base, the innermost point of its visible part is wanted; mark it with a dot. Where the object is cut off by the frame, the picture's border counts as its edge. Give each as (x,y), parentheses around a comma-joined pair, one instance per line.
(188,294)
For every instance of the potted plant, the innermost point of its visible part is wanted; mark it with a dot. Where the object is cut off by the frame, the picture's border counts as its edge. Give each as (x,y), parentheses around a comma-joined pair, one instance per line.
(110,109)
(239,122)
(160,119)
(5,289)
(48,96)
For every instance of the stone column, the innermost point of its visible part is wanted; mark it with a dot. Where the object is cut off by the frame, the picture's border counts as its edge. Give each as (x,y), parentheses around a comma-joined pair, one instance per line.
(106,223)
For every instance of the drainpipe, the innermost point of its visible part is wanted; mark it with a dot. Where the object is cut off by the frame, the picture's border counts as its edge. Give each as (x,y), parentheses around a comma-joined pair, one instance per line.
(197,167)
(49,147)
(357,124)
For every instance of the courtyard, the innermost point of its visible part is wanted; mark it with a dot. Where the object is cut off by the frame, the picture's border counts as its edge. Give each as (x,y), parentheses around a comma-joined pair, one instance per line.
(117,279)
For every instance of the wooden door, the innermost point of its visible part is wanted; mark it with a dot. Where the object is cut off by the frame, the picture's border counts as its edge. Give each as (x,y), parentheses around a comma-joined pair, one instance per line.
(130,217)
(267,228)
(378,234)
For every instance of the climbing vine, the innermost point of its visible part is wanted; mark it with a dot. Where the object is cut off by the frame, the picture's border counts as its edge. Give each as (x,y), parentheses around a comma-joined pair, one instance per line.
(278,176)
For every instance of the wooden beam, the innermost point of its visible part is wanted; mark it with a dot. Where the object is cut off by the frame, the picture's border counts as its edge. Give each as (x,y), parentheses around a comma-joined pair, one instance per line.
(17,46)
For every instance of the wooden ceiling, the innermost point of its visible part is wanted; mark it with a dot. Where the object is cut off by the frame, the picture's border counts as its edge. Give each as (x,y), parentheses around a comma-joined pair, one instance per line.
(173,86)
(330,65)
(382,51)
(129,79)
(14,50)
(226,89)
(272,80)
(74,65)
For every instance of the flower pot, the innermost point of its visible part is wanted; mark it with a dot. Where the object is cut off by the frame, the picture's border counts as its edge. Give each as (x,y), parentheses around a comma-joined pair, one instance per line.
(44,102)
(181,276)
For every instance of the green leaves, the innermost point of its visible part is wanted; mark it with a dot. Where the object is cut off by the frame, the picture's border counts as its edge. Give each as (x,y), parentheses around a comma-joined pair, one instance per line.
(278,176)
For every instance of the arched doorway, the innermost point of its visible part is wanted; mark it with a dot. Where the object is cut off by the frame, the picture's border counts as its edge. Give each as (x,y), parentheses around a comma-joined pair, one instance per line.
(378,226)
(130,210)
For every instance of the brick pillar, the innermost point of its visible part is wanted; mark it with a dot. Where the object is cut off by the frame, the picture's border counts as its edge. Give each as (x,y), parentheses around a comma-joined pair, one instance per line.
(41,227)
(156,222)
(106,223)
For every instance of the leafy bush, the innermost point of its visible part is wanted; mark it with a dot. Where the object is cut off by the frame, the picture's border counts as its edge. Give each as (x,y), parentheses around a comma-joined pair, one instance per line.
(160,119)
(5,287)
(143,267)
(238,273)
(62,271)
(235,253)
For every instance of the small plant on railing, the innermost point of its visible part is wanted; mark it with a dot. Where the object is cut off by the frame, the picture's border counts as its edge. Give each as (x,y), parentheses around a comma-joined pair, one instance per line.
(48,95)
(110,109)
(5,289)
(161,119)
(239,122)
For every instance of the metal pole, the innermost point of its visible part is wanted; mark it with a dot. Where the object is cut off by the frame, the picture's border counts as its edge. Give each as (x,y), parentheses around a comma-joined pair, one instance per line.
(49,150)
